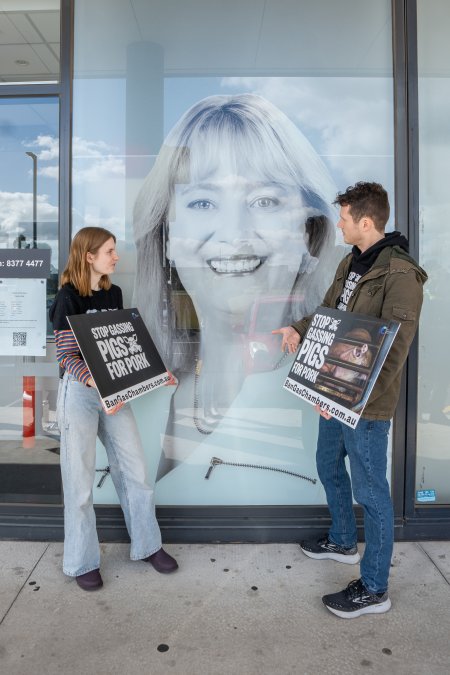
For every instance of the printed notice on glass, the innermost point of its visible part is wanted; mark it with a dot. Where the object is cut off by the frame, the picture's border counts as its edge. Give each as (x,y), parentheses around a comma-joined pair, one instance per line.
(23,293)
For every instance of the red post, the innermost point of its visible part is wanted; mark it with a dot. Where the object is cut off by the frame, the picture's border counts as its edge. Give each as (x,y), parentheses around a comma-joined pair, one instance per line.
(28,407)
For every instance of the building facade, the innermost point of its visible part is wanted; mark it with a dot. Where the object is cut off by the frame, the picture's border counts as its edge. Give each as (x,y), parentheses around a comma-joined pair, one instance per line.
(211,138)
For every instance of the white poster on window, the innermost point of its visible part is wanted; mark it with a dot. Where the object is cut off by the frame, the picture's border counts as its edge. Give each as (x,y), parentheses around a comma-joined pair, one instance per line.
(23,295)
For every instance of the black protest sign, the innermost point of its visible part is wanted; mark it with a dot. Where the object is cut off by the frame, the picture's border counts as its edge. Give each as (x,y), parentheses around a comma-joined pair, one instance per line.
(339,360)
(120,354)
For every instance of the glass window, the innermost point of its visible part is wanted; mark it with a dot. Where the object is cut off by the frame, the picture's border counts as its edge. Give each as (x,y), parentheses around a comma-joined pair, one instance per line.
(433,436)
(29,447)
(29,41)
(211,138)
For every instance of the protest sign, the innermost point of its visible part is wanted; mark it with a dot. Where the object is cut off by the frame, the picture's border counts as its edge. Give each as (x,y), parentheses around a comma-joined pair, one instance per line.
(120,354)
(339,360)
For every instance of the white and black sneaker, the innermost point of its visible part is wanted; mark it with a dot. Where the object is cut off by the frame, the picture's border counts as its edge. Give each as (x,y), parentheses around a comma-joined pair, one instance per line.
(356,600)
(324,549)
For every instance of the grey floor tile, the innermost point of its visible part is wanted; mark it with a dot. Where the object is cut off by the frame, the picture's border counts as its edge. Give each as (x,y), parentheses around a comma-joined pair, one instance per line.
(229,610)
(17,559)
(439,552)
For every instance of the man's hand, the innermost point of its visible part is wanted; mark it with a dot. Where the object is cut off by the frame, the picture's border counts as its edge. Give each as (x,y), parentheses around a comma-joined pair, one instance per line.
(321,412)
(291,339)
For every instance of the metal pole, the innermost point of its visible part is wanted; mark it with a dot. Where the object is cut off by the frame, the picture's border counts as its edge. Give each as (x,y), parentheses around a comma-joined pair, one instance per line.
(34,158)
(29,381)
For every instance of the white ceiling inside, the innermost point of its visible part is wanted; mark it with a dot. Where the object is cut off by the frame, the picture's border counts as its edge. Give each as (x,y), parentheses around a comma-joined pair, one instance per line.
(29,42)
(218,37)
(237,37)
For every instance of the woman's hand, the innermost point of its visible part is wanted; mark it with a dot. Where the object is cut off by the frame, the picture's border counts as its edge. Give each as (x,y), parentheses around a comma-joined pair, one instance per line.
(172,379)
(291,339)
(115,409)
(108,411)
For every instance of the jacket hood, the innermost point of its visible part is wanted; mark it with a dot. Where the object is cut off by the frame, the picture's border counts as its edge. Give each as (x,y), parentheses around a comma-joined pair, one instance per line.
(395,239)
(362,262)
(390,239)
(401,253)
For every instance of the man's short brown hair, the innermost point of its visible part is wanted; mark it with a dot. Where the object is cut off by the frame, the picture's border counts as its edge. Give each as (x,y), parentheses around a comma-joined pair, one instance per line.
(366,199)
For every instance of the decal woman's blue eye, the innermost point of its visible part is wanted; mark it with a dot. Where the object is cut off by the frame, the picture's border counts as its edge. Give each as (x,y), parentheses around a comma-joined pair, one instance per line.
(202,204)
(264,202)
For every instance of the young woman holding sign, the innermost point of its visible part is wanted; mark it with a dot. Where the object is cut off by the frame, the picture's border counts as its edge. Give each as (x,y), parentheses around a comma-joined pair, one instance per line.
(86,287)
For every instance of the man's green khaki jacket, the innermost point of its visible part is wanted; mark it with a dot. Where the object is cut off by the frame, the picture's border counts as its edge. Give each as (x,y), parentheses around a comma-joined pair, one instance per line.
(391,289)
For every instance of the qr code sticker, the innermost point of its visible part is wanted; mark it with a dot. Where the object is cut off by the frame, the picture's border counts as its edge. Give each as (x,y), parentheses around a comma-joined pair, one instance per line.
(19,339)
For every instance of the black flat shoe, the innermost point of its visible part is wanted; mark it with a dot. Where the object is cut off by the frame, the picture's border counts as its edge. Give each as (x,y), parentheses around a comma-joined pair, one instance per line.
(162,562)
(90,581)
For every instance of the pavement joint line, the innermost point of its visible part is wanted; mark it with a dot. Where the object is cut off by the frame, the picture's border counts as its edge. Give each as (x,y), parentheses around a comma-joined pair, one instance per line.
(433,562)
(24,583)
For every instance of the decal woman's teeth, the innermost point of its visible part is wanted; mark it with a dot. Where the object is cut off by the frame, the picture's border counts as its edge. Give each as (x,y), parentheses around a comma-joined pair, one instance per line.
(236,264)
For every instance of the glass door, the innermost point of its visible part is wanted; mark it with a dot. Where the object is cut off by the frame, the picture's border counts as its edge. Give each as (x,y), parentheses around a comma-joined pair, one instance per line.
(29,440)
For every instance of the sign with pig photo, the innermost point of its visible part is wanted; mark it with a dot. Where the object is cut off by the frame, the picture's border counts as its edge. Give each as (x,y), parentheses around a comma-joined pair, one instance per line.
(120,354)
(339,360)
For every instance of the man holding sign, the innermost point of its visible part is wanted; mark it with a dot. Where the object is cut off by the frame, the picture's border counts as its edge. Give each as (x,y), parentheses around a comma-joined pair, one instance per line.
(378,278)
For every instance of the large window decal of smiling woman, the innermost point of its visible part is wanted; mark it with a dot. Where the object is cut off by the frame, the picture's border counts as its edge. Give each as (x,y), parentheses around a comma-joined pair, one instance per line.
(235,214)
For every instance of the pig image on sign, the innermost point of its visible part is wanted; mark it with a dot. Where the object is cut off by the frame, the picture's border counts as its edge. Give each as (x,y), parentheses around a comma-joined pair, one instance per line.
(133,346)
(359,354)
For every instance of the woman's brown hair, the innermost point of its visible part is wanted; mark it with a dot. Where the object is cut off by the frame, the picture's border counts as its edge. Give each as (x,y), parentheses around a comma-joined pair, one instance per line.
(78,271)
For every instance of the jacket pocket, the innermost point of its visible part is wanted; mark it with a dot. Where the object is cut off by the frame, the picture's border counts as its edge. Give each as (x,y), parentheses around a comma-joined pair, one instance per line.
(373,288)
(404,314)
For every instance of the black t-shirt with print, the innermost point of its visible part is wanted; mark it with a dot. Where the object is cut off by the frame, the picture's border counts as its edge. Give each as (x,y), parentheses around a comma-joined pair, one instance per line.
(68,302)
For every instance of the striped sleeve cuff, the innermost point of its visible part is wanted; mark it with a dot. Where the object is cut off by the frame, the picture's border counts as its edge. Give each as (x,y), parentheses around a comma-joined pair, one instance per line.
(69,357)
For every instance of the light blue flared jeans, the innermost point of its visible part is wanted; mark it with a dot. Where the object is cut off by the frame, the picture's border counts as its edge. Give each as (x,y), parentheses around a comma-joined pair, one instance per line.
(81,419)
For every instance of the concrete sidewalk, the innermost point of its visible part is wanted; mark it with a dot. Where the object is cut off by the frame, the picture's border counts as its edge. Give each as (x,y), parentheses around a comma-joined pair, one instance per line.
(230,609)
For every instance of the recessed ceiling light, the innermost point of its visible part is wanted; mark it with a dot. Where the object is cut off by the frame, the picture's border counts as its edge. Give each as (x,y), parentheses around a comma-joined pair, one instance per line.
(21,62)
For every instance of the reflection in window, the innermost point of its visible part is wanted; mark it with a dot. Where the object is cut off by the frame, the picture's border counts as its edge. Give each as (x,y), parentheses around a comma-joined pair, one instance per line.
(129,93)
(433,433)
(29,42)
(29,138)
(29,141)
